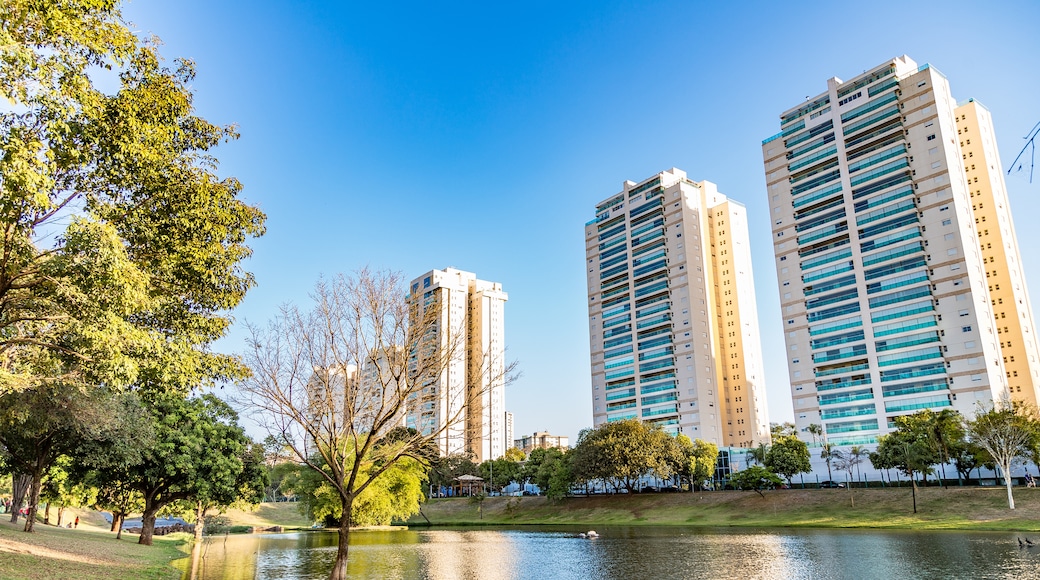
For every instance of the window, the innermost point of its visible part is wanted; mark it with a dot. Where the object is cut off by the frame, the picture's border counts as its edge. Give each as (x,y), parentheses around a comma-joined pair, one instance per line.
(931,137)
(965,329)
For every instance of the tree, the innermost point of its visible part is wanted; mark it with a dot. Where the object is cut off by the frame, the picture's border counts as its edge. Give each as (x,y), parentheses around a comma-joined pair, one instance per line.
(788,456)
(197,455)
(848,461)
(220,481)
(499,473)
(755,478)
(909,452)
(704,457)
(855,456)
(337,378)
(758,454)
(120,248)
(816,430)
(37,426)
(445,470)
(516,455)
(828,453)
(785,429)
(1006,431)
(623,452)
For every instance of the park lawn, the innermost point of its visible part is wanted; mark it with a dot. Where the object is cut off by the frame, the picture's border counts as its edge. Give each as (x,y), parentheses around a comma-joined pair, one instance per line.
(53,553)
(267,514)
(956,508)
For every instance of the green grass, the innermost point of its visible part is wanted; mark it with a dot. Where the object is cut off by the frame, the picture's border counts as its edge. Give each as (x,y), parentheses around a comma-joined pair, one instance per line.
(285,514)
(53,553)
(967,508)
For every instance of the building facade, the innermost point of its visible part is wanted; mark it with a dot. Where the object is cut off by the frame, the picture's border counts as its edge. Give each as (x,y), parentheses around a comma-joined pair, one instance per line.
(673,323)
(883,286)
(465,403)
(1001,260)
(541,440)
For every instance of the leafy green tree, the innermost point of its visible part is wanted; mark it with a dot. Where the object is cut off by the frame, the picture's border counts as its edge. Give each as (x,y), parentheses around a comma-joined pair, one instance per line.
(1006,431)
(755,478)
(561,479)
(445,470)
(968,456)
(395,494)
(541,465)
(788,457)
(516,455)
(625,451)
(704,458)
(220,483)
(197,455)
(38,426)
(499,473)
(908,451)
(120,248)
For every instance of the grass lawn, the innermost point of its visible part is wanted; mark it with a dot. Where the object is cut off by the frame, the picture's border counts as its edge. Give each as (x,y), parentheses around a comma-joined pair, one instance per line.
(965,508)
(90,551)
(285,514)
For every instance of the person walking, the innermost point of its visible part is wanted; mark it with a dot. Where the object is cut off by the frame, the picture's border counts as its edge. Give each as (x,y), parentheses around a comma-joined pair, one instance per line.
(76,523)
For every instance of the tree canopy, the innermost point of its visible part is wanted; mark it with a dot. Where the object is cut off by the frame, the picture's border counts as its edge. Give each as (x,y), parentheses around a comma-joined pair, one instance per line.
(120,247)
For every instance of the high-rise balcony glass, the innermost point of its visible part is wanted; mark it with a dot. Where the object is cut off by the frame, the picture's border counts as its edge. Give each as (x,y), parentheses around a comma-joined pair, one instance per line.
(837,398)
(849,426)
(934,402)
(914,387)
(854,411)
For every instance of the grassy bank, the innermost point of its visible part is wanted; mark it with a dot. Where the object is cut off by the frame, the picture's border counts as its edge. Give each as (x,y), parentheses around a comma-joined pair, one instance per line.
(967,508)
(285,514)
(90,551)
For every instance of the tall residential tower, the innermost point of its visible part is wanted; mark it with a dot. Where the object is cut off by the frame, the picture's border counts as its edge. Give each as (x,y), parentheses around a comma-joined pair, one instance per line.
(883,283)
(469,395)
(672,317)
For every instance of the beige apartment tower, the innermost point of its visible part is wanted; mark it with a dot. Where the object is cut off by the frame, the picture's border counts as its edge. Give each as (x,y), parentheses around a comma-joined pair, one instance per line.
(469,395)
(1001,261)
(882,262)
(672,316)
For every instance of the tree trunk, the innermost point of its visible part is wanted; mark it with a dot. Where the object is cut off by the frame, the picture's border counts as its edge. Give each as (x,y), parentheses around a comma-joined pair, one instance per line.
(339,567)
(148,524)
(47,514)
(1007,482)
(61,513)
(115,521)
(34,499)
(118,523)
(19,486)
(200,521)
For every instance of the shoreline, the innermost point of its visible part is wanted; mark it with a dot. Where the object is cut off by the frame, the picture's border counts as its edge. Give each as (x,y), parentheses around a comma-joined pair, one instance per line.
(955,508)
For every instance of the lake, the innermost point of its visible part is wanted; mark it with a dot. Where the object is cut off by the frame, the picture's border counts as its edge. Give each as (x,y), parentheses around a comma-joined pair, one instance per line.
(625,552)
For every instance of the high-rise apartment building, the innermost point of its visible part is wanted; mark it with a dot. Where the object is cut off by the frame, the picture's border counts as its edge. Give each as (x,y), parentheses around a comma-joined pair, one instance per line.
(672,316)
(466,402)
(883,284)
(1001,261)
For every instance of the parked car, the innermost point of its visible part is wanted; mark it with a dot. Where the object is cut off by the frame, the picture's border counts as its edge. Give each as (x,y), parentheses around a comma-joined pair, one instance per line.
(831,484)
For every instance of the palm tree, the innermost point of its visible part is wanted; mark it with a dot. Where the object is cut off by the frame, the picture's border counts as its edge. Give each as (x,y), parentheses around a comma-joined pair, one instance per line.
(816,430)
(758,454)
(857,453)
(827,454)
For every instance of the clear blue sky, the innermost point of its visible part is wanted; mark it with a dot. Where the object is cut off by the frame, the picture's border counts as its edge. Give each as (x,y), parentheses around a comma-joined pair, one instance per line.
(368,126)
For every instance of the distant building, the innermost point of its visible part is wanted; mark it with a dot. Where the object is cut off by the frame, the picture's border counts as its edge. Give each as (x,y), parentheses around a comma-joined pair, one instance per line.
(900,282)
(470,392)
(540,440)
(673,321)
(508,429)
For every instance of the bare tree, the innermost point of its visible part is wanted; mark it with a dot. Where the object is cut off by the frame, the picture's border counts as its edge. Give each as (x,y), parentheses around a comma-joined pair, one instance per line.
(1006,431)
(336,382)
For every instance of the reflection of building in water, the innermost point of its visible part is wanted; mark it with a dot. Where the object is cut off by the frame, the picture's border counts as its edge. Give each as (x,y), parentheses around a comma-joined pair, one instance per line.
(486,555)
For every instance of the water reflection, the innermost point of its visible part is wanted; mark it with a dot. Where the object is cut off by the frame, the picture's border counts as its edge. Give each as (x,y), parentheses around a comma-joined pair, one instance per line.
(622,552)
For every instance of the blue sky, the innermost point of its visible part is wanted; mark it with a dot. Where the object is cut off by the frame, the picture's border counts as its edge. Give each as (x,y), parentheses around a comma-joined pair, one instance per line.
(367,126)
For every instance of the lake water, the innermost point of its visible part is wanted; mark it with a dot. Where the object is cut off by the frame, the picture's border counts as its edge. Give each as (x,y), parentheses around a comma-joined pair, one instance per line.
(625,553)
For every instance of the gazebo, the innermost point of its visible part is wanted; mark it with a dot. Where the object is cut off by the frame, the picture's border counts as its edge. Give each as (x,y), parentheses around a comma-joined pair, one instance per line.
(468,485)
